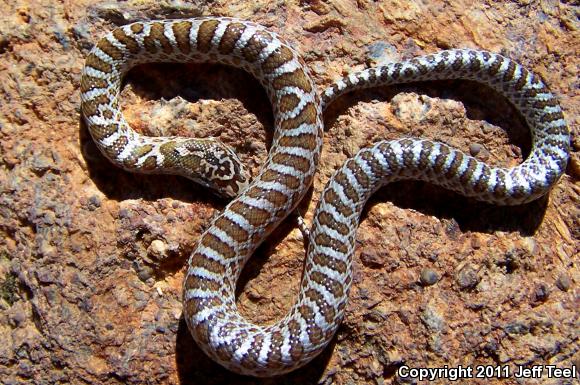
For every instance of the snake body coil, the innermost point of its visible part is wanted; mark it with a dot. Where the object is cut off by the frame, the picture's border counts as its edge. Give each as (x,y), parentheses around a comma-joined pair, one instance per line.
(214,267)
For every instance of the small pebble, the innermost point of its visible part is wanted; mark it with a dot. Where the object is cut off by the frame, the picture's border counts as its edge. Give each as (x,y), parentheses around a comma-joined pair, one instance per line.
(475,148)
(467,278)
(144,272)
(429,277)
(541,292)
(158,249)
(94,202)
(19,317)
(563,282)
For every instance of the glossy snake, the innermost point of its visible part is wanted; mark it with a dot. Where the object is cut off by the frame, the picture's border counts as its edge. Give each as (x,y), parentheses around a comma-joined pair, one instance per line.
(213,268)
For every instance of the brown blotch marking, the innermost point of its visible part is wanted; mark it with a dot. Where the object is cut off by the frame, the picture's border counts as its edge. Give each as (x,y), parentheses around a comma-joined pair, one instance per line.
(486,56)
(200,260)
(222,248)
(181,32)
(91,107)
(192,282)
(468,173)
(424,155)
(474,64)
(551,116)
(371,161)
(348,189)
(150,163)
(330,262)
(230,37)
(522,79)
(457,160)
(372,75)
(224,352)
(481,184)
(541,104)
(89,82)
(327,219)
(457,61)
(288,102)
(149,43)
(127,41)
(422,69)
(250,359)
(256,216)
(108,48)
(557,130)
(306,141)
(101,132)
(290,181)
(297,162)
(396,71)
(307,313)
(359,174)
(142,150)
(232,229)
(167,149)
(500,190)
(518,192)
(440,66)
(205,35)
(332,198)
(97,63)
(275,197)
(255,45)
(332,285)
(107,114)
(495,66)
(533,92)
(326,240)
(408,72)
(296,348)
(441,159)
(275,354)
(158,33)
(119,144)
(243,334)
(306,116)
(327,311)
(136,28)
(315,334)
(296,78)
(509,73)
(390,156)
(201,332)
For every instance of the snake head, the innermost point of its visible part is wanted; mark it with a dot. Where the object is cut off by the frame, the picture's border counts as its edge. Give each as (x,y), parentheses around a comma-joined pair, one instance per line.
(211,163)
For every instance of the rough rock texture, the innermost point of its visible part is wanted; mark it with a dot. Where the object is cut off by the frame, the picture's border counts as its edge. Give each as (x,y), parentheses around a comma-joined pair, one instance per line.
(92,257)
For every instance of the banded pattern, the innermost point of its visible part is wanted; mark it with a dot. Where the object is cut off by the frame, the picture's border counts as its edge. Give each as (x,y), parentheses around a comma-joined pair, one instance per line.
(215,265)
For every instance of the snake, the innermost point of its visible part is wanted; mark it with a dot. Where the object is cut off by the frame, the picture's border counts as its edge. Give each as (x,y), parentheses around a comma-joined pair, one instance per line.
(260,204)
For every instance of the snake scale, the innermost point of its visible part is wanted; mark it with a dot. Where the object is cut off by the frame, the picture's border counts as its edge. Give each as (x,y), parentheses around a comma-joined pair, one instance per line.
(260,205)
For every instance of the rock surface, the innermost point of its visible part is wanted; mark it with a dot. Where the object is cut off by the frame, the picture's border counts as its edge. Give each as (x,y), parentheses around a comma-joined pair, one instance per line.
(92,257)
